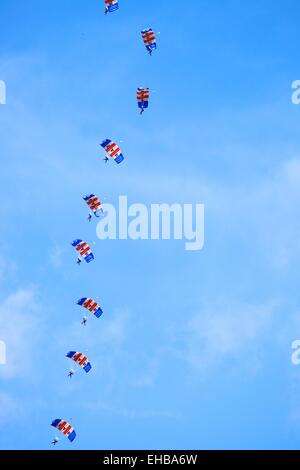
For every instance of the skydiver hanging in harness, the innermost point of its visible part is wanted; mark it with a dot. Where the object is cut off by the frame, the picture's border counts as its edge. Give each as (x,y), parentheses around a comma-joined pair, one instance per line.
(142,110)
(90,217)
(84,321)
(55,441)
(106,159)
(79,261)
(71,373)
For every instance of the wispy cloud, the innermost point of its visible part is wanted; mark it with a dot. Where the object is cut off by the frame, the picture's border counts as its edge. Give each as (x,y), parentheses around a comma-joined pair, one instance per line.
(221,332)
(56,256)
(9,408)
(20,329)
(106,408)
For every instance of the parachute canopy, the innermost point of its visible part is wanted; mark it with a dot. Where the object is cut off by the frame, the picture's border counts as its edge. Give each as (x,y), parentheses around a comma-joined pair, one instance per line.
(91,305)
(142,95)
(65,428)
(149,39)
(80,359)
(111,5)
(113,150)
(94,204)
(83,250)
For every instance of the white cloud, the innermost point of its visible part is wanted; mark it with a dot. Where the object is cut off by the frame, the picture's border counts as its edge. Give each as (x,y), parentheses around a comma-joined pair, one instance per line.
(109,334)
(104,407)
(221,332)
(56,257)
(20,330)
(265,208)
(9,408)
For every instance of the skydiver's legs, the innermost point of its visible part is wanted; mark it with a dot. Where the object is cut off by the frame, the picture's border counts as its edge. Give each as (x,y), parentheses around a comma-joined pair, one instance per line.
(90,217)
(142,110)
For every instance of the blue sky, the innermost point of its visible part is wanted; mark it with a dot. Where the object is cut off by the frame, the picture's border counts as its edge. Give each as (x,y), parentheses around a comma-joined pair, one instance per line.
(194,349)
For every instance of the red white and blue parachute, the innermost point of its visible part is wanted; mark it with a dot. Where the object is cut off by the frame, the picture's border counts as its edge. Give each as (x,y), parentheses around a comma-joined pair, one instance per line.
(112,150)
(149,39)
(80,359)
(84,250)
(91,305)
(111,6)
(142,96)
(94,204)
(65,428)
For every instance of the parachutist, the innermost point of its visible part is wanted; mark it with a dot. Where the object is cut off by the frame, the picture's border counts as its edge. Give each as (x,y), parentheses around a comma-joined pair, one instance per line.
(94,205)
(80,359)
(112,151)
(84,321)
(149,39)
(143,95)
(111,6)
(84,251)
(55,441)
(66,428)
(91,306)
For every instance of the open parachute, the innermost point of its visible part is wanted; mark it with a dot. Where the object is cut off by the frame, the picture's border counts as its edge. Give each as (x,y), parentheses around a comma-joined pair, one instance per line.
(112,150)
(65,428)
(111,6)
(95,205)
(149,39)
(91,306)
(142,96)
(80,359)
(84,250)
